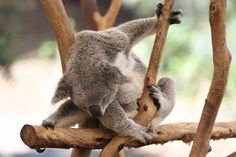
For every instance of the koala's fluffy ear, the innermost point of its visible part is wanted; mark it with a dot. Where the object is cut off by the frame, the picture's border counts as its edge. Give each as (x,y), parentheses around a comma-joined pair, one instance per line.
(63,90)
(114,76)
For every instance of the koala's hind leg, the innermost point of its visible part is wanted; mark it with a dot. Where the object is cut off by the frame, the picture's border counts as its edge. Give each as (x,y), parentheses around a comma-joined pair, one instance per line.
(117,120)
(163,95)
(65,116)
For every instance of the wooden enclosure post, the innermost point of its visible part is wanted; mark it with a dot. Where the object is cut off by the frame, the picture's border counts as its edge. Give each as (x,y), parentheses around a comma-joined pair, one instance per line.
(221,60)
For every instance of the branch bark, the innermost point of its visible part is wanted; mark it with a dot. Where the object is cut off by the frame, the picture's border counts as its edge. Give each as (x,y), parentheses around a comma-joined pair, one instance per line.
(221,60)
(96,138)
(96,20)
(58,20)
(147,110)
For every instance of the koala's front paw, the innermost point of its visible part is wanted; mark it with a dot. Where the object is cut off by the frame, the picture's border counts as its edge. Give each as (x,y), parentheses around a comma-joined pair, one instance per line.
(47,123)
(141,134)
(156,95)
(176,16)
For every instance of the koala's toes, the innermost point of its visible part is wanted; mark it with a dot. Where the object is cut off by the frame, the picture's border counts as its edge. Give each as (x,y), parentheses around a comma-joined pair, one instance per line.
(158,10)
(143,137)
(48,124)
(142,134)
(153,88)
(176,16)
(156,95)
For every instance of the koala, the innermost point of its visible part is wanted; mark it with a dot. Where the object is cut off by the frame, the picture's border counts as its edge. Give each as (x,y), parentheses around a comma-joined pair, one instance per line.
(104,79)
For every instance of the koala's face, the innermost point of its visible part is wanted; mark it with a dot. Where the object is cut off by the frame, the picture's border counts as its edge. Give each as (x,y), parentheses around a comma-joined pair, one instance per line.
(94,97)
(92,89)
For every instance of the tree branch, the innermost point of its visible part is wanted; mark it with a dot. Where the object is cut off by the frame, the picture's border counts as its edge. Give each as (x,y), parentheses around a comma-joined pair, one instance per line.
(221,60)
(96,138)
(147,110)
(98,22)
(92,13)
(110,17)
(58,20)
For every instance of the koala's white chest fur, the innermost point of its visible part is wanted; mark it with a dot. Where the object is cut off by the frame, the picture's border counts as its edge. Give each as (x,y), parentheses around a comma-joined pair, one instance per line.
(132,90)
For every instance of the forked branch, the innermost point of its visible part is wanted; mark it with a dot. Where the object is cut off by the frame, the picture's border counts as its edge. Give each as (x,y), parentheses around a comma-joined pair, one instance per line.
(96,20)
(221,60)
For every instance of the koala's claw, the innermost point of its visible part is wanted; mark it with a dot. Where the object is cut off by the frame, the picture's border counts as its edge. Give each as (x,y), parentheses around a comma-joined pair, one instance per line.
(158,10)
(176,16)
(141,134)
(156,95)
(48,124)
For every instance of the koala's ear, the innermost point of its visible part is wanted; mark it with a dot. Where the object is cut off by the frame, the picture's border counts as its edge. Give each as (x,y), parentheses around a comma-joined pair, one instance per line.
(63,90)
(115,76)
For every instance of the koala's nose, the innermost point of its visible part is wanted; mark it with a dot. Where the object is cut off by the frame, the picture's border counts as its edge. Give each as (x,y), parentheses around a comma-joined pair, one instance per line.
(95,111)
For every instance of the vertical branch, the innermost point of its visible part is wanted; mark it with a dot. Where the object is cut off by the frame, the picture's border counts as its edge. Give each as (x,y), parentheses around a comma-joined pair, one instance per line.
(147,110)
(221,60)
(96,21)
(58,20)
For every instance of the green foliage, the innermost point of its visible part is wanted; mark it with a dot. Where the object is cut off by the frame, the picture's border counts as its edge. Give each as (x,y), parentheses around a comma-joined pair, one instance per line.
(8,13)
(48,50)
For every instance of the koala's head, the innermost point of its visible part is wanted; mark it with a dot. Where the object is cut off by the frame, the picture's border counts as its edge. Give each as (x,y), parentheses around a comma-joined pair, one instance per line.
(91,89)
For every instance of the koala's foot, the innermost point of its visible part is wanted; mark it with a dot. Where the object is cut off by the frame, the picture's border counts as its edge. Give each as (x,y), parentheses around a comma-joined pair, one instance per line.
(156,95)
(175,15)
(140,133)
(47,123)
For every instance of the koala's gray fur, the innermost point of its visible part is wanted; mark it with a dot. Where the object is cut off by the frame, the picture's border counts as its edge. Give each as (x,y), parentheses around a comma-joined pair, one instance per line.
(103,80)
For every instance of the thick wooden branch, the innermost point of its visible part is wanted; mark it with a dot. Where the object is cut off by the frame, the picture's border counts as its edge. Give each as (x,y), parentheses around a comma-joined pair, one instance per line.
(96,20)
(58,20)
(96,138)
(147,110)
(221,60)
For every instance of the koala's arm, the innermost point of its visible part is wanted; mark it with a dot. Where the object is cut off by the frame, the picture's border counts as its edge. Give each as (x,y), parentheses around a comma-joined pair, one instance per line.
(117,120)
(65,116)
(136,30)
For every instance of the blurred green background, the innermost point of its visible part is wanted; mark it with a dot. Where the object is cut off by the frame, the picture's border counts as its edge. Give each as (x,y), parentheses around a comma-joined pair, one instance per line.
(26,34)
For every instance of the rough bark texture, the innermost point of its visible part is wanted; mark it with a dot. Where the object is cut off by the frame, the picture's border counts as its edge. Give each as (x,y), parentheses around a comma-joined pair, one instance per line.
(147,110)
(221,60)
(96,21)
(95,138)
(58,20)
